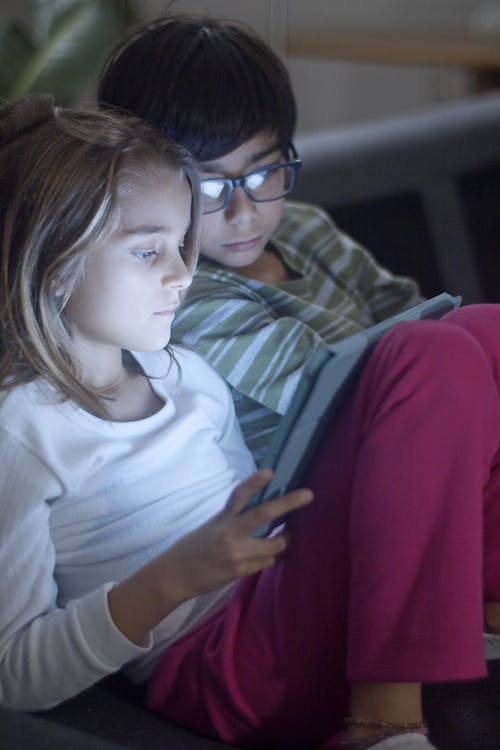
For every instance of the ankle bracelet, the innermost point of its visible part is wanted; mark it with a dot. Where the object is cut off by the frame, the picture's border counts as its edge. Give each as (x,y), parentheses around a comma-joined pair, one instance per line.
(396,726)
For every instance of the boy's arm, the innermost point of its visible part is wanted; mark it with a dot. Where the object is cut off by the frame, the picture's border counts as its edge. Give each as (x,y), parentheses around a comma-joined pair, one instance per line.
(310,232)
(260,351)
(255,351)
(383,292)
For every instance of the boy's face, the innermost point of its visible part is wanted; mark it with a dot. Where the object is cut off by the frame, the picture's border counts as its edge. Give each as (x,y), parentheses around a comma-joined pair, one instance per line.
(237,235)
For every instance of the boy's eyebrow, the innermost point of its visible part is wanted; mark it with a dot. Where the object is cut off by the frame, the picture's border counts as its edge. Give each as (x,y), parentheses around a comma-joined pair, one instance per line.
(214,166)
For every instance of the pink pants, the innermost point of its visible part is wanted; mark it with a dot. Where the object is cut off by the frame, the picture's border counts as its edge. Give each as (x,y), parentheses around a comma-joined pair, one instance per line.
(387,570)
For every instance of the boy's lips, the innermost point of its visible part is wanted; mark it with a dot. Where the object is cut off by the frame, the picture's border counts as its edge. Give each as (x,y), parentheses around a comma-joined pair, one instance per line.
(243,244)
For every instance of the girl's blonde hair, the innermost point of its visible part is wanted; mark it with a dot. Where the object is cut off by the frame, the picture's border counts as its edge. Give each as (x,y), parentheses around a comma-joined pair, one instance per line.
(60,174)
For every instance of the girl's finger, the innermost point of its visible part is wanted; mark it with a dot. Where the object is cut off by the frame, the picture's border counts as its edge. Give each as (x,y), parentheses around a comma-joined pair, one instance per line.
(244,491)
(270,510)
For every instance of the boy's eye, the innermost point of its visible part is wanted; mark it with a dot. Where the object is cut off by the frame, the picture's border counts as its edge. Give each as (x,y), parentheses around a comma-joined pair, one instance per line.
(256,179)
(145,254)
(212,188)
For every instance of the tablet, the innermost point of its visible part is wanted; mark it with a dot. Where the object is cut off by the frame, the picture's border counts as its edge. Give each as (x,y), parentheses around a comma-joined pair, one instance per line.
(325,383)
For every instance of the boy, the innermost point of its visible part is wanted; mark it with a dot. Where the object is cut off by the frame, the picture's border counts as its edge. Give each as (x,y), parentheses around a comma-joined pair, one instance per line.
(277,280)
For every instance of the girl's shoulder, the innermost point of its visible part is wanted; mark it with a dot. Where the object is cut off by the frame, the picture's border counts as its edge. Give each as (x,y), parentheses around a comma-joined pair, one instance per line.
(69,440)
(173,363)
(174,371)
(180,372)
(25,401)
(31,415)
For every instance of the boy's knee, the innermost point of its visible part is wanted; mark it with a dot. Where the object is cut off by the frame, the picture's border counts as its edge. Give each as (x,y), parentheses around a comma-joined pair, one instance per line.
(446,358)
(482,322)
(426,365)
(475,317)
(434,343)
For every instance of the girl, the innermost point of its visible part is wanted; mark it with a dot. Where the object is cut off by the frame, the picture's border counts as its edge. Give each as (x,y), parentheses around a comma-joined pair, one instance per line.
(277,280)
(99,224)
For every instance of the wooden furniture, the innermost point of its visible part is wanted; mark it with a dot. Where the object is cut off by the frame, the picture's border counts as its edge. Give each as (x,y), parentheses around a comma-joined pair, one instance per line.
(452,50)
(473,51)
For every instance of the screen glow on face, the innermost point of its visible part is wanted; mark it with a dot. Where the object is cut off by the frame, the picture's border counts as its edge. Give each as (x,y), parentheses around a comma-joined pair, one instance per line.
(134,281)
(242,197)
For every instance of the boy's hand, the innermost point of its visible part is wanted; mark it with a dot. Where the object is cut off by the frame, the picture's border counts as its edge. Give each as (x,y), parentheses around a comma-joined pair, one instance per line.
(225,549)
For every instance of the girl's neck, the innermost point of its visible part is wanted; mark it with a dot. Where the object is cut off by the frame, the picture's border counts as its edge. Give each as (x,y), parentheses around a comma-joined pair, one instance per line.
(126,392)
(132,398)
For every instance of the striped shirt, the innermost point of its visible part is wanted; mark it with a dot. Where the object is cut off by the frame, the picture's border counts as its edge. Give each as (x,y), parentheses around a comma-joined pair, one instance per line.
(259,336)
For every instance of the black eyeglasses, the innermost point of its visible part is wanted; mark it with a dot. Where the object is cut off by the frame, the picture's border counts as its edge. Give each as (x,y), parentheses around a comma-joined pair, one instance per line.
(261,185)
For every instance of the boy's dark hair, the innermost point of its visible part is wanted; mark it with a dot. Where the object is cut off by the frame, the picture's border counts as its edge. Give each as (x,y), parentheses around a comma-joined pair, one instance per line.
(208,84)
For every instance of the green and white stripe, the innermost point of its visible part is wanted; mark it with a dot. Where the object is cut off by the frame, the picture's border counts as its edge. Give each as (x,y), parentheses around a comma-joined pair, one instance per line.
(259,337)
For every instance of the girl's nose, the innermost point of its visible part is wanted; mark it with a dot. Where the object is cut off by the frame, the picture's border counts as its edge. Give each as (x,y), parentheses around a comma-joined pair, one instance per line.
(177,275)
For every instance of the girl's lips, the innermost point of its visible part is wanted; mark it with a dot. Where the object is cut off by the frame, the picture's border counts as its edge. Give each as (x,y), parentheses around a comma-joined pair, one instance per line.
(243,244)
(166,313)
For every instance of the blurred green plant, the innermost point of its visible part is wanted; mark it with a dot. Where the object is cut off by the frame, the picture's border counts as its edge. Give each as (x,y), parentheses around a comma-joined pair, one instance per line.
(62,48)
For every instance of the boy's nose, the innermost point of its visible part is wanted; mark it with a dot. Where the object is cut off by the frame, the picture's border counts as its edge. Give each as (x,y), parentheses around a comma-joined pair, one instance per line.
(240,207)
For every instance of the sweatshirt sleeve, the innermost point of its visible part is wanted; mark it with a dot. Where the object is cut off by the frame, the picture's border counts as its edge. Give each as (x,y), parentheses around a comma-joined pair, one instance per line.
(310,232)
(368,282)
(47,653)
(261,350)
(257,352)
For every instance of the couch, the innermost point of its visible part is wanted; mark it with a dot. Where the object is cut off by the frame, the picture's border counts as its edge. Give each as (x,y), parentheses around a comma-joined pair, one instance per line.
(420,190)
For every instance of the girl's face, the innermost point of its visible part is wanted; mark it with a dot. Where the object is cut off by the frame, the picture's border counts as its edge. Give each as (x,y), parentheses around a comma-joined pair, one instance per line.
(132,284)
(236,235)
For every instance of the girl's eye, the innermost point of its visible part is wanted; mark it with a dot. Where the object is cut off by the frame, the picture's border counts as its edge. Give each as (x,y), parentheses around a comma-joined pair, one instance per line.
(145,254)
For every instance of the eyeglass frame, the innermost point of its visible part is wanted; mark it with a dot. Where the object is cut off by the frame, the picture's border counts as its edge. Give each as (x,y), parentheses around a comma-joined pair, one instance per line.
(234,182)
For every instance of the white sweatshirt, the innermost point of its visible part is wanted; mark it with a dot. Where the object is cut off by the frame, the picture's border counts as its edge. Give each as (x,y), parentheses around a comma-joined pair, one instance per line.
(83,503)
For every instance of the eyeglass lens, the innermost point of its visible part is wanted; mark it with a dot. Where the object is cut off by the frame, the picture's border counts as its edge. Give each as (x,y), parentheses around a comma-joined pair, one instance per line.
(264,185)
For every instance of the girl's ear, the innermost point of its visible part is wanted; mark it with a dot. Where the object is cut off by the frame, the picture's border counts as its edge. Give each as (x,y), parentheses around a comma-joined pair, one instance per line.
(56,289)
(58,292)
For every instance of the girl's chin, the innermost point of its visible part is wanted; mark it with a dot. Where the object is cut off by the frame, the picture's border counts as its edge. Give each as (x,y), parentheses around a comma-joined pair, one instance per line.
(151,345)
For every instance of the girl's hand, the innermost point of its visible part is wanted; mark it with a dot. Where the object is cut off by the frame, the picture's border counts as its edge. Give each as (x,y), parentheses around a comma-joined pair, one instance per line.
(221,550)
(225,549)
